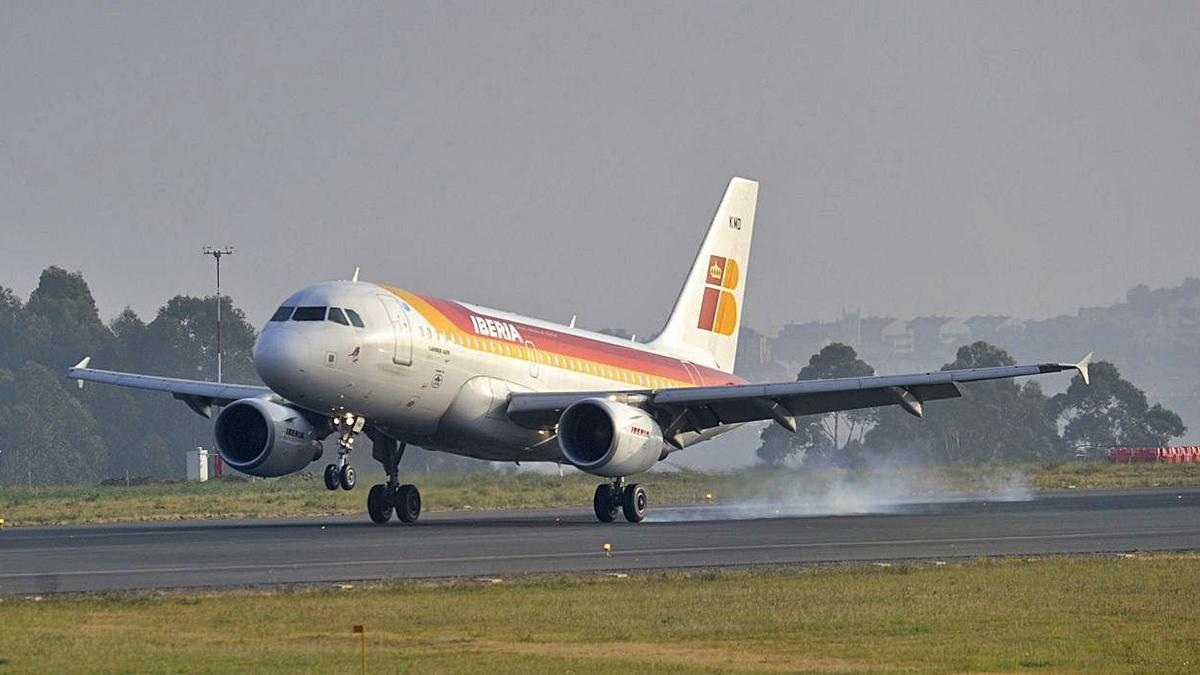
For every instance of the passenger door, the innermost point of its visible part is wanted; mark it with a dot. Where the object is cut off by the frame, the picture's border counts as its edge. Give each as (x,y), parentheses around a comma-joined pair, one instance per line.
(402,329)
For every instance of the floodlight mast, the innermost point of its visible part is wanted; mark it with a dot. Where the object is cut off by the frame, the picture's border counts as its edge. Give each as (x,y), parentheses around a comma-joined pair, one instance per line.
(217,254)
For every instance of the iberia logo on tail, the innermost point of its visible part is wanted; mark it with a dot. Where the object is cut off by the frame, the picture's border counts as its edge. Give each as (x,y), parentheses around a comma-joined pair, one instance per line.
(718,309)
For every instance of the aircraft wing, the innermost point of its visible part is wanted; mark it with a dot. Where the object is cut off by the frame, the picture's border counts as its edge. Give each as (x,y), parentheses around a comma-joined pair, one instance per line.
(200,395)
(685,414)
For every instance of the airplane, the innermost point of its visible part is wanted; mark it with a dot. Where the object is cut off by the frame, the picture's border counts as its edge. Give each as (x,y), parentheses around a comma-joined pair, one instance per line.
(354,357)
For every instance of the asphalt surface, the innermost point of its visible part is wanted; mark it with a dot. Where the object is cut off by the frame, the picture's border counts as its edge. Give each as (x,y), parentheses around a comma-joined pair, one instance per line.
(484,544)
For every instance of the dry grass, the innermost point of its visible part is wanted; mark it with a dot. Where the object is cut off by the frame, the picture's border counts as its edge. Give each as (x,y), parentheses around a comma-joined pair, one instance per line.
(1081,615)
(305,496)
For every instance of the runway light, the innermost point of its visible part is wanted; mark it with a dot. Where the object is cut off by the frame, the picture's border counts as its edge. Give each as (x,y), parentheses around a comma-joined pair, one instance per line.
(708,496)
(608,550)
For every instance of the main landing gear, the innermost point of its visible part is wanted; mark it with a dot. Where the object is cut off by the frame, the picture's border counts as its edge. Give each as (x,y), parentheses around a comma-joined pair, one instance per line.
(342,474)
(617,496)
(382,500)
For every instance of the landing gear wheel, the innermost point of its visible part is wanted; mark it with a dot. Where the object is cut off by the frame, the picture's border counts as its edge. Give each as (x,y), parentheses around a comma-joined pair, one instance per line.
(331,477)
(346,477)
(605,503)
(379,504)
(408,503)
(633,503)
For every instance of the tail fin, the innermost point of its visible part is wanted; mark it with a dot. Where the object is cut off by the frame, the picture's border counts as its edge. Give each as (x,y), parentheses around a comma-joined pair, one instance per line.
(703,327)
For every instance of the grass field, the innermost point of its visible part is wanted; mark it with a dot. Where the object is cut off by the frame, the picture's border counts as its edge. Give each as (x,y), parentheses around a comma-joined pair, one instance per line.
(1085,615)
(304,495)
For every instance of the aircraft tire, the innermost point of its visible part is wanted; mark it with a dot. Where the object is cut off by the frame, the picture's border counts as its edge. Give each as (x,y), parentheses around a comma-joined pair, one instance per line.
(408,503)
(331,477)
(346,477)
(379,506)
(604,503)
(633,503)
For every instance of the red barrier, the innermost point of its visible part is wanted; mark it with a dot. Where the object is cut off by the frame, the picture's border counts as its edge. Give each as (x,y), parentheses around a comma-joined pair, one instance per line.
(1186,454)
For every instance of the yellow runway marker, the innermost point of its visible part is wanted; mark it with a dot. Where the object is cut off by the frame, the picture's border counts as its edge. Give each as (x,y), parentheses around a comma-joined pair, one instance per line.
(608,550)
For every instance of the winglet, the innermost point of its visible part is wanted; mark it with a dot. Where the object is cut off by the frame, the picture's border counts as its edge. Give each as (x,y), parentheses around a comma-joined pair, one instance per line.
(1082,367)
(83,363)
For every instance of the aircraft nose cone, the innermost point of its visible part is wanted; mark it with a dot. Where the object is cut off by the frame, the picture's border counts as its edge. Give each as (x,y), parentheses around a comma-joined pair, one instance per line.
(281,355)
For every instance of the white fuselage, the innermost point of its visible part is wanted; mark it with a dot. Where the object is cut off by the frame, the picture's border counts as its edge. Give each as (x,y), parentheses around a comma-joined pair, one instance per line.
(438,373)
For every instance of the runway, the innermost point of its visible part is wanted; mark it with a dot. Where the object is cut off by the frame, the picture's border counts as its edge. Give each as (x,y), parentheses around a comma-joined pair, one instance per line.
(487,544)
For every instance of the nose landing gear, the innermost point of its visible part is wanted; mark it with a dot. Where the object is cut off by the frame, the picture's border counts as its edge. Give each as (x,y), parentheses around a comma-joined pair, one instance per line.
(382,500)
(342,474)
(614,497)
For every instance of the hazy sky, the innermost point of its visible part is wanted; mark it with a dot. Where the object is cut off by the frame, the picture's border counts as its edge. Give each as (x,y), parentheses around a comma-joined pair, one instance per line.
(556,158)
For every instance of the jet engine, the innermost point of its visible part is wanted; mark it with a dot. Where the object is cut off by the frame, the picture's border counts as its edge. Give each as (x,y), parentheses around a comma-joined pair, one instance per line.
(266,439)
(607,438)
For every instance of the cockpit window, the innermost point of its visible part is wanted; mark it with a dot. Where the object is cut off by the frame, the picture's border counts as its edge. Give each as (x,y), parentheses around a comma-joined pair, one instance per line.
(354,318)
(337,316)
(282,314)
(309,314)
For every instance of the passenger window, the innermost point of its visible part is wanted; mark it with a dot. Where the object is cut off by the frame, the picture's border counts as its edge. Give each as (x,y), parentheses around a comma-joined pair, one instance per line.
(355,319)
(282,314)
(336,315)
(309,314)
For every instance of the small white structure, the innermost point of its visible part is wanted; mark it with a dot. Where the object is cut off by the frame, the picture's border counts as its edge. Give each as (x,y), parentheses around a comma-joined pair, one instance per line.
(197,464)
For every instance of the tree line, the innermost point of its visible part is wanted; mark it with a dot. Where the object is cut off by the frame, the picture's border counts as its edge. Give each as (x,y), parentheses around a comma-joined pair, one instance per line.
(54,432)
(995,421)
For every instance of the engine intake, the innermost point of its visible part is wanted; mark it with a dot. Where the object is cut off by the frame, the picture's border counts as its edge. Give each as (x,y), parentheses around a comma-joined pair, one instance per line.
(265,439)
(607,438)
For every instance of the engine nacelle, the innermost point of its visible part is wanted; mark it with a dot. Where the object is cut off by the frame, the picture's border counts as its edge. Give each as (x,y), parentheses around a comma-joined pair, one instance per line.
(266,439)
(607,438)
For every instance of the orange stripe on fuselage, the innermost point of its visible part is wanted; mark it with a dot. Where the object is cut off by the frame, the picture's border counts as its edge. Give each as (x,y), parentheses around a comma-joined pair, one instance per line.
(623,363)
